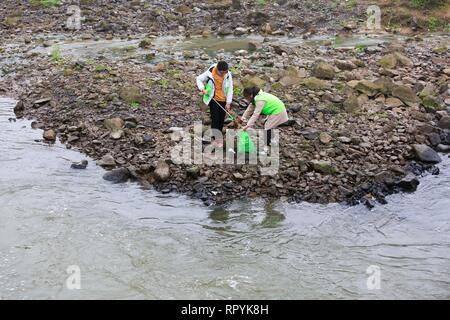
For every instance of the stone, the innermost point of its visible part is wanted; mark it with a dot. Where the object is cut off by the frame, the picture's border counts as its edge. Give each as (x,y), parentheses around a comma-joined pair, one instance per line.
(345,139)
(292,77)
(388,61)
(314,83)
(113,124)
(405,94)
(325,138)
(324,167)
(323,70)
(119,175)
(345,65)
(49,135)
(431,103)
(393,103)
(79,165)
(145,43)
(368,87)
(408,183)
(116,134)
(162,171)
(253,81)
(444,123)
(310,134)
(193,172)
(131,94)
(352,104)
(403,60)
(107,161)
(443,148)
(425,154)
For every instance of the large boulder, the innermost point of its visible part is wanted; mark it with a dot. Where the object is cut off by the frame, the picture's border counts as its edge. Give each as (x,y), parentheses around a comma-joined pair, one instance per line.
(323,70)
(406,94)
(409,183)
(425,154)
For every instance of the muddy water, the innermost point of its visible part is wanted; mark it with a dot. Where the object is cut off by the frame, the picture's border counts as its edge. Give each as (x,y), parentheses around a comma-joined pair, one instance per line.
(169,47)
(134,243)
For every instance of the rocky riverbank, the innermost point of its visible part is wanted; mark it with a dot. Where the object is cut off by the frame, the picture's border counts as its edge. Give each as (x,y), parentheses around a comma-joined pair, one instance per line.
(366,120)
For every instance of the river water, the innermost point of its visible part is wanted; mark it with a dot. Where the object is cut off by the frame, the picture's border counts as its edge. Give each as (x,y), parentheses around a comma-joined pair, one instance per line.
(130,243)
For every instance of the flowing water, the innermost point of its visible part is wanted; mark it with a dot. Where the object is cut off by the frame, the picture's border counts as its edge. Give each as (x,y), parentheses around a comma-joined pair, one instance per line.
(130,243)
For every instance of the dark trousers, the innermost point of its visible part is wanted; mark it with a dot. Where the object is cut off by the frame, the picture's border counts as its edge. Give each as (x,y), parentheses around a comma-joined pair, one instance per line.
(268,136)
(217,115)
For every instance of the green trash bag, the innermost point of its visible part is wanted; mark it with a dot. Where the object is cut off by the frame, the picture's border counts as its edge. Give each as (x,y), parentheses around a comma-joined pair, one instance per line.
(245,144)
(208,89)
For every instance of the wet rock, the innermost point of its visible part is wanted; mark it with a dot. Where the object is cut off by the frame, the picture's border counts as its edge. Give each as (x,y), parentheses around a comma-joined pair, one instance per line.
(405,94)
(444,123)
(323,70)
(79,165)
(49,135)
(107,161)
(425,154)
(408,183)
(162,171)
(443,148)
(119,175)
(19,109)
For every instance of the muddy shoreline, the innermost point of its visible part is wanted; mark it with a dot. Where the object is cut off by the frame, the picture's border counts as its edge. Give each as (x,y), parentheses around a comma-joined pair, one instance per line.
(367,119)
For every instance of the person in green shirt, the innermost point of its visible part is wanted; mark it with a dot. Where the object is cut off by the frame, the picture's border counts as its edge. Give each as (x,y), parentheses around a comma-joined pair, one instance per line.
(263,104)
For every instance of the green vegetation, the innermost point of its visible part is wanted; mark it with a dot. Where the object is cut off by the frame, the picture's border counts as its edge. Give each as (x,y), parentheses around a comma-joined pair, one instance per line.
(262,2)
(351,3)
(359,48)
(164,83)
(426,4)
(46,3)
(135,105)
(101,68)
(56,54)
(237,91)
(433,24)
